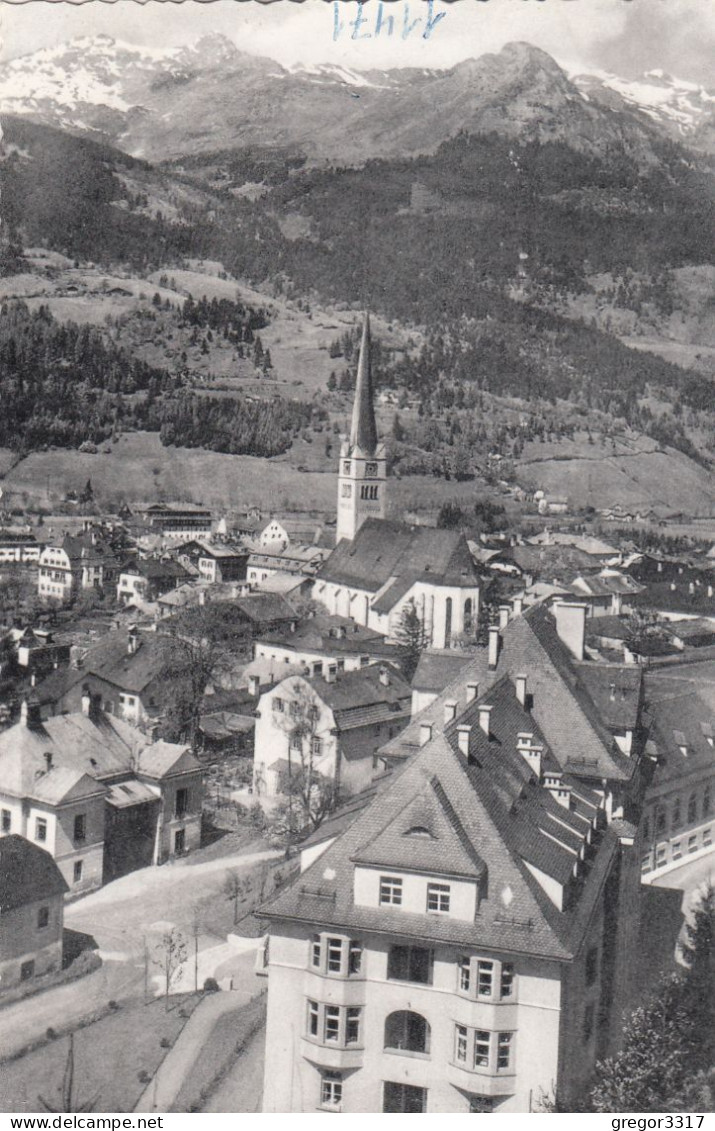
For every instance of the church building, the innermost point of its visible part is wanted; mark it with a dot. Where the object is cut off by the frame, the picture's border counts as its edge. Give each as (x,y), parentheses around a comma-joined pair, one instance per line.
(379,565)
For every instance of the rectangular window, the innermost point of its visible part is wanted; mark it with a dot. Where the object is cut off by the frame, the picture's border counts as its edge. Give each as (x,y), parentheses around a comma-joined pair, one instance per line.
(335,955)
(660,855)
(591,970)
(460,1044)
(707,837)
(331,1027)
(410,964)
(481,1049)
(352,1026)
(182,803)
(676,850)
(390,891)
(404,1098)
(6,820)
(507,979)
(77,871)
(354,957)
(692,844)
(315,951)
(504,1050)
(41,829)
(675,818)
(485,978)
(438,898)
(331,1089)
(278,705)
(316,747)
(313,1018)
(481,1105)
(465,974)
(692,809)
(43,918)
(80,827)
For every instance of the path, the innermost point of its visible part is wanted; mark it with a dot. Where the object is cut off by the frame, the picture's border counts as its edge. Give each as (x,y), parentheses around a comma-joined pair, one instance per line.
(165,1087)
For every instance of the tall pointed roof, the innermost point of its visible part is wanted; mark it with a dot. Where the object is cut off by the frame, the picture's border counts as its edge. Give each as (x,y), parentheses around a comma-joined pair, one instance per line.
(363,430)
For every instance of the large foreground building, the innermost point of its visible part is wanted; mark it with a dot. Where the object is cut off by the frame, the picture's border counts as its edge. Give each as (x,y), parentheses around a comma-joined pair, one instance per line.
(468,943)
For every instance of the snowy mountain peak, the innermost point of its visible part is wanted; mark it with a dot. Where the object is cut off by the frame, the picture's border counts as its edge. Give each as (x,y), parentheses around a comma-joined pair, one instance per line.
(681,107)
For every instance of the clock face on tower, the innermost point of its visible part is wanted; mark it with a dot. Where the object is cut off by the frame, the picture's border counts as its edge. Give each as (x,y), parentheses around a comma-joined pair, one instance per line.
(371,470)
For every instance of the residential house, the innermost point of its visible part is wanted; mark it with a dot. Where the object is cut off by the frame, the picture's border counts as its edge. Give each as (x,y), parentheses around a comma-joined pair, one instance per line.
(31,909)
(320,640)
(218,563)
(297,560)
(466,944)
(330,725)
(679,811)
(607,593)
(79,563)
(18,546)
(146,579)
(96,793)
(175,522)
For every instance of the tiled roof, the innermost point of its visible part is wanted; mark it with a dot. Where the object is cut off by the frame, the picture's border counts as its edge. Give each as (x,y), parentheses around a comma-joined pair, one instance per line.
(475,834)
(360,696)
(616,691)
(27,873)
(384,551)
(437,668)
(681,699)
(561,704)
(102,748)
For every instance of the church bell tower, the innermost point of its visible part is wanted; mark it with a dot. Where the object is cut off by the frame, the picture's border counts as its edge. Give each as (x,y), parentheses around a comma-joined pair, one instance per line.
(362,474)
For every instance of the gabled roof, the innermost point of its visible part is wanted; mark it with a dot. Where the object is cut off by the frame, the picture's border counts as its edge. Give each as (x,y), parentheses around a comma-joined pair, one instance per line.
(64,784)
(385,552)
(681,701)
(28,874)
(437,667)
(159,759)
(439,790)
(562,706)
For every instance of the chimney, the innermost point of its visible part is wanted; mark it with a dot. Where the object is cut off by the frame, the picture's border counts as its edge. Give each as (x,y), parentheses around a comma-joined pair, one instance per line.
(484,718)
(529,750)
(504,611)
(331,673)
(384,677)
(517,606)
(472,692)
(463,733)
(254,686)
(48,760)
(33,679)
(494,647)
(86,700)
(560,792)
(571,626)
(520,681)
(30,713)
(425,733)
(450,711)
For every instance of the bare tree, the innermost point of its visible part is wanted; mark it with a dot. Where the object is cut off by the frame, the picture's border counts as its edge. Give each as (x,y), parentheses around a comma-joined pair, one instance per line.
(170,955)
(237,889)
(309,793)
(195,655)
(70,1101)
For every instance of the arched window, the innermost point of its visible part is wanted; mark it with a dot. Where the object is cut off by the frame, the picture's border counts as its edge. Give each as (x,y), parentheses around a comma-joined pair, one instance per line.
(448,622)
(468,614)
(692,809)
(407,1031)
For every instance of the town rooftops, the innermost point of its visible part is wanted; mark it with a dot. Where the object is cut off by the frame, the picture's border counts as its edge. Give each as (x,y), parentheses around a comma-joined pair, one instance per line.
(323,631)
(101,747)
(28,874)
(156,569)
(437,667)
(561,702)
(681,701)
(385,551)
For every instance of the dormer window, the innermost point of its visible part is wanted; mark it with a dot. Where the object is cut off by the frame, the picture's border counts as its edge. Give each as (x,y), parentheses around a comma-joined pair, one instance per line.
(419,830)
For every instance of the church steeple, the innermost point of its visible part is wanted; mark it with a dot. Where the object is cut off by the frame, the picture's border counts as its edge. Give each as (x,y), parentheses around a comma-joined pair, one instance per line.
(363,431)
(362,473)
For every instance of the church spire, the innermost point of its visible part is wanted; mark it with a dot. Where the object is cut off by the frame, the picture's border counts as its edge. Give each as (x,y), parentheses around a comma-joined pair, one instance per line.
(363,430)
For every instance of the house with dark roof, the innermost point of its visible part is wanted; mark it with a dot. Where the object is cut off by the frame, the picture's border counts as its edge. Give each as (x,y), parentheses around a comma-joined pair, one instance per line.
(31,910)
(85,561)
(321,639)
(380,567)
(96,793)
(465,939)
(679,811)
(148,578)
(330,725)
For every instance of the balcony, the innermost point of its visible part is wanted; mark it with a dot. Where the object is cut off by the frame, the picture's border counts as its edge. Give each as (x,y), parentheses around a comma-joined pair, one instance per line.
(331,1056)
(481,1080)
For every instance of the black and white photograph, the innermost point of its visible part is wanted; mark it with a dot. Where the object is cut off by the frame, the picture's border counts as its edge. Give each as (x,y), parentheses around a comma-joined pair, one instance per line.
(357,559)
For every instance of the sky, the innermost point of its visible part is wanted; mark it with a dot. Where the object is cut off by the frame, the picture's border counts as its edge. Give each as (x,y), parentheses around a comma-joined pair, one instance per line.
(626,37)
